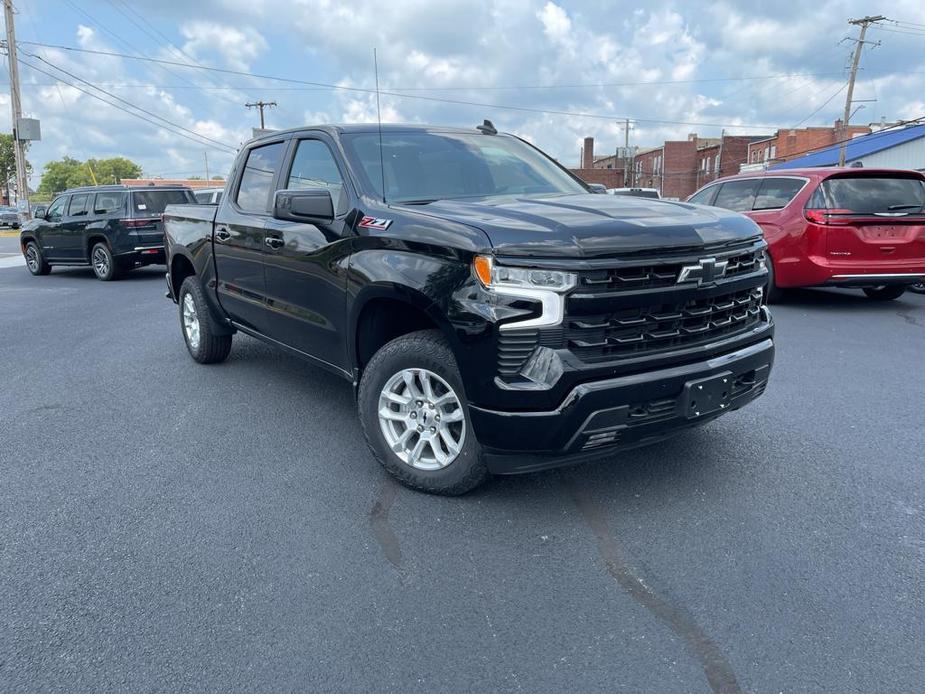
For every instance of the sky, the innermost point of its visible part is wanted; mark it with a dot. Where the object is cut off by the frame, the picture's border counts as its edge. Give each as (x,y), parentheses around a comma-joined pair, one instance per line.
(551,71)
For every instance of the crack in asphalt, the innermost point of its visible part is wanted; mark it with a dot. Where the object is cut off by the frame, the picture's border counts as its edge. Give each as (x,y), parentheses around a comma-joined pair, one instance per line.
(379,520)
(717,669)
(911,320)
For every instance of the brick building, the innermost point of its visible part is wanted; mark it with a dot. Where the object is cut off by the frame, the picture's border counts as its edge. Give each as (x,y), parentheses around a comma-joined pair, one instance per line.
(605,170)
(787,144)
(723,158)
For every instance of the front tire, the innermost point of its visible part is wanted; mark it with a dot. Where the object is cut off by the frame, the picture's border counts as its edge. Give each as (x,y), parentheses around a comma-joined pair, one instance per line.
(414,415)
(35,261)
(887,293)
(201,332)
(105,267)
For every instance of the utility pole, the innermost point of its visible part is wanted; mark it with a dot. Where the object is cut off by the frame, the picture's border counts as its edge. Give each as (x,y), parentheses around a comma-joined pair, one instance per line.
(22,184)
(206,155)
(261,105)
(864,22)
(626,152)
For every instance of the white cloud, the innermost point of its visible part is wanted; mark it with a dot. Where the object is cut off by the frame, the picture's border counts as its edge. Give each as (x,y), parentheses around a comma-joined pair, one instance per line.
(237,46)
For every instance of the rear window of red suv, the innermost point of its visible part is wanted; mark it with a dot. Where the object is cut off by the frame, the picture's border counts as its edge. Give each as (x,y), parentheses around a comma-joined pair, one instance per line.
(871,195)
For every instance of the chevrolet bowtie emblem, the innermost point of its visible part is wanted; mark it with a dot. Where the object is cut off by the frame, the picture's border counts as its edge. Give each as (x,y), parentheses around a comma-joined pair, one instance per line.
(707,270)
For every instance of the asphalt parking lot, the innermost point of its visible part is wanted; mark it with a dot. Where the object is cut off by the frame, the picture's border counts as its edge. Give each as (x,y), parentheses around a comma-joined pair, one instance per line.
(166,526)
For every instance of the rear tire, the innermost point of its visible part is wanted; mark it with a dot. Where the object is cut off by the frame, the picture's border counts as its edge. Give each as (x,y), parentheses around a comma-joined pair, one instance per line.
(918,288)
(35,261)
(886,293)
(414,415)
(201,331)
(105,266)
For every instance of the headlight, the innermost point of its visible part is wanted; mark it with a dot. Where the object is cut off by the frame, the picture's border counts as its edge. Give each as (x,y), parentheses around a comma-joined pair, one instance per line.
(545,286)
(499,276)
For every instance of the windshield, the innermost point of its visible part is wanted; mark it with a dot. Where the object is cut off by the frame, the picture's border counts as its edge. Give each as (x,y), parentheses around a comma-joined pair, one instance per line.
(422,167)
(872,195)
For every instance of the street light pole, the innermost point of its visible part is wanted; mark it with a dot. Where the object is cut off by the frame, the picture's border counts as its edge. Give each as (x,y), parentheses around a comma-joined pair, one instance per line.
(22,184)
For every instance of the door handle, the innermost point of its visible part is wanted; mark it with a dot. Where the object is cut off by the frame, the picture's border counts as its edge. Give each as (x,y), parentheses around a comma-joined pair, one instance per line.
(274,242)
(222,234)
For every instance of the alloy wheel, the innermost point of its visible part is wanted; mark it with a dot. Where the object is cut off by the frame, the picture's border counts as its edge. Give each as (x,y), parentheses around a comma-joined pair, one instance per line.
(422,419)
(190,322)
(100,262)
(32,258)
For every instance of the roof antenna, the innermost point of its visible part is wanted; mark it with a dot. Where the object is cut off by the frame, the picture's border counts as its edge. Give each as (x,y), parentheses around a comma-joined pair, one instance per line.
(487,128)
(379,121)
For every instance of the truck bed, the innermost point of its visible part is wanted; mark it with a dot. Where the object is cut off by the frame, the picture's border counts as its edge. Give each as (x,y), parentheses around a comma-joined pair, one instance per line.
(187,225)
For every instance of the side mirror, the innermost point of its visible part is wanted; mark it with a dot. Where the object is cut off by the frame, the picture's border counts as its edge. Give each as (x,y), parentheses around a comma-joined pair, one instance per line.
(310,205)
(598,188)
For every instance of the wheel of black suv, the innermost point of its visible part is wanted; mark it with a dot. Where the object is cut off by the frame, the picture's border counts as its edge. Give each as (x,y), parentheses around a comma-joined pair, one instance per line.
(413,412)
(772,293)
(35,262)
(200,331)
(918,288)
(105,267)
(885,293)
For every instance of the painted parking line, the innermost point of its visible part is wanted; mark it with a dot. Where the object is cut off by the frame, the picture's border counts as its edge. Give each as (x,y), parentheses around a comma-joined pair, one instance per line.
(11,260)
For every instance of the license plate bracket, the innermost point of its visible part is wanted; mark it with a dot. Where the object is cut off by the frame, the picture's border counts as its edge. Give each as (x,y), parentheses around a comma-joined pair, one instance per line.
(707,395)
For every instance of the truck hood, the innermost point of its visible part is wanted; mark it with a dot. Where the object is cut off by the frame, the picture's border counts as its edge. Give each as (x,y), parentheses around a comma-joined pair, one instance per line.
(590,225)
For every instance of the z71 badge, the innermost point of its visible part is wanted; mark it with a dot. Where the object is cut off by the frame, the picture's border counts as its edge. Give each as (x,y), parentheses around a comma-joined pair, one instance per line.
(374,223)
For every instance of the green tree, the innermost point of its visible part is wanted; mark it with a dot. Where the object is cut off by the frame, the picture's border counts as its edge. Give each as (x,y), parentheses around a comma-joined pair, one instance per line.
(69,173)
(8,162)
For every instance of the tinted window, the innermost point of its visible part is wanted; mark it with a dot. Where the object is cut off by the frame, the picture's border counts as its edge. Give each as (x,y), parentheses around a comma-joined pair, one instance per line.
(435,165)
(204,198)
(218,196)
(150,203)
(775,193)
(870,195)
(79,205)
(704,196)
(262,163)
(107,203)
(56,211)
(314,167)
(737,195)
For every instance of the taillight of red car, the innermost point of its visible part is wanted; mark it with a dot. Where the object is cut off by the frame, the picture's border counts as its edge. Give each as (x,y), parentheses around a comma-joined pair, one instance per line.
(830,217)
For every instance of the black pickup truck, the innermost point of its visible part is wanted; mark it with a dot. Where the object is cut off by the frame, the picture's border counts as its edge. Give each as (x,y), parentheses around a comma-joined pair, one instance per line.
(493,314)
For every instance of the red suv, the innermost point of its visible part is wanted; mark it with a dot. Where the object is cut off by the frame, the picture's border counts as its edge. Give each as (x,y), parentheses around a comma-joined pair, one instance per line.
(835,227)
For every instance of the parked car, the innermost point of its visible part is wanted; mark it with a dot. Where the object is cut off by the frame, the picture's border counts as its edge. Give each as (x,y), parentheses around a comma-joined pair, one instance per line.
(110,228)
(493,314)
(636,192)
(9,217)
(834,227)
(209,196)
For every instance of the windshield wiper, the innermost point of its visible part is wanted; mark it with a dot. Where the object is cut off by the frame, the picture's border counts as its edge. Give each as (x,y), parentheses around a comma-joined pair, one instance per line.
(904,207)
(422,201)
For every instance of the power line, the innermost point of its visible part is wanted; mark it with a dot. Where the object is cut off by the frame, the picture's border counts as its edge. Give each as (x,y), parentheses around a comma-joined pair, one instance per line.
(226,148)
(124,101)
(824,104)
(461,102)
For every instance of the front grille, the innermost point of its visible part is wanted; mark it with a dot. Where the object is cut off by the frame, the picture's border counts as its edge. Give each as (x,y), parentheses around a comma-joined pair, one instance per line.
(655,328)
(661,274)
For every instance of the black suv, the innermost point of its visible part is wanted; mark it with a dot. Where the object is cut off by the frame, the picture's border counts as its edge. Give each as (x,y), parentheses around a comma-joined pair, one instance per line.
(111,228)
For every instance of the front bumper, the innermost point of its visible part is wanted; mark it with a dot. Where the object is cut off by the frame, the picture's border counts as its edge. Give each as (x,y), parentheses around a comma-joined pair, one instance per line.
(600,417)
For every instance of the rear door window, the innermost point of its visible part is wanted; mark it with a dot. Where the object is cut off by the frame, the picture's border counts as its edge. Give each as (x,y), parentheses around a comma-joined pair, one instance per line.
(257,179)
(738,196)
(776,193)
(874,195)
(151,203)
(108,203)
(79,205)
